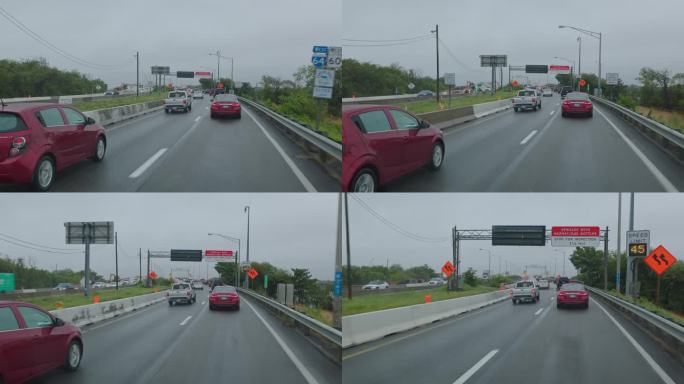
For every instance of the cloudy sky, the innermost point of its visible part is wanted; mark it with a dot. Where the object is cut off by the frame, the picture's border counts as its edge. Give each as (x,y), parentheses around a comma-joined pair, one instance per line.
(265,37)
(634,35)
(287,230)
(433,215)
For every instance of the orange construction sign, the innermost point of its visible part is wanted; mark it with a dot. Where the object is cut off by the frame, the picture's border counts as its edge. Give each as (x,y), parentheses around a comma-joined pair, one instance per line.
(153,275)
(582,82)
(660,260)
(252,273)
(448,268)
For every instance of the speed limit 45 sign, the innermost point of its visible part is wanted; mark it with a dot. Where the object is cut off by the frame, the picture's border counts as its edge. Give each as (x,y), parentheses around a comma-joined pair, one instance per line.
(637,243)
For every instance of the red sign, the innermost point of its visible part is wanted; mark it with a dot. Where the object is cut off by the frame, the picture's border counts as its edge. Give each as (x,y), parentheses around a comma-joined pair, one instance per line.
(559,68)
(582,82)
(220,86)
(515,83)
(218,252)
(575,231)
(660,260)
(448,269)
(153,275)
(252,273)
(202,73)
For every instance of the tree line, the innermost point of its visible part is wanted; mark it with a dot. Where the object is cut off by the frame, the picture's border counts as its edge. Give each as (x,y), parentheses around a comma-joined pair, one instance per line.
(307,290)
(30,277)
(37,78)
(367,79)
(589,262)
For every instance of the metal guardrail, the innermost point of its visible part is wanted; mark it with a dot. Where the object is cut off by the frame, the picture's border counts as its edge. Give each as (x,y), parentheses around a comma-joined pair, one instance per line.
(668,138)
(331,334)
(659,327)
(324,144)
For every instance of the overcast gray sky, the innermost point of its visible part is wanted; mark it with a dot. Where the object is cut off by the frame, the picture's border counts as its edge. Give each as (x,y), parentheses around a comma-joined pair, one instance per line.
(434,215)
(635,34)
(287,230)
(266,37)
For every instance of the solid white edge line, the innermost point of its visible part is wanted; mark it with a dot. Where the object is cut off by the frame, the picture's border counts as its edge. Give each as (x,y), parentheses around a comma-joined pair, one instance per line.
(141,169)
(528,137)
(476,367)
(669,187)
(302,369)
(302,179)
(186,320)
(538,311)
(658,370)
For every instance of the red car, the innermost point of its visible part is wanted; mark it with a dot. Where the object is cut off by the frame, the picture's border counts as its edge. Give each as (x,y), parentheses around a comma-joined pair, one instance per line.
(38,139)
(33,342)
(577,103)
(382,143)
(226,104)
(572,294)
(224,296)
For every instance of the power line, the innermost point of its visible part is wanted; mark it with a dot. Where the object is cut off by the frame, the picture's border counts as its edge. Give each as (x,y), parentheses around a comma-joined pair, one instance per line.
(388,41)
(38,249)
(28,31)
(396,227)
(453,56)
(36,244)
(388,44)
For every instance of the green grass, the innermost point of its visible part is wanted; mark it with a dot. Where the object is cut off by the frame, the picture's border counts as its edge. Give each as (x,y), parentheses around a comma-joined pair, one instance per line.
(321,315)
(651,306)
(330,126)
(118,101)
(75,299)
(672,119)
(380,301)
(425,106)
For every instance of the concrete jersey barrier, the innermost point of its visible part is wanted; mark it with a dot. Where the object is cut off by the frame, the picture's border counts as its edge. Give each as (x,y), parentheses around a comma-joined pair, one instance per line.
(110,116)
(93,313)
(450,117)
(366,327)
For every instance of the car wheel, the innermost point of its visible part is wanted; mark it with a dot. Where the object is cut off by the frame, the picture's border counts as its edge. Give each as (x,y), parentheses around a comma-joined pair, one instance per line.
(44,174)
(171,303)
(100,149)
(166,110)
(437,156)
(562,114)
(73,357)
(558,305)
(211,307)
(239,115)
(365,181)
(539,106)
(514,302)
(586,305)
(591,115)
(212,115)
(237,308)
(515,109)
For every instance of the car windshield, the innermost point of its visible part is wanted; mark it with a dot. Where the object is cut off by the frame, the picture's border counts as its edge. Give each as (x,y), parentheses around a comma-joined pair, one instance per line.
(9,122)
(577,96)
(572,287)
(224,288)
(524,284)
(225,97)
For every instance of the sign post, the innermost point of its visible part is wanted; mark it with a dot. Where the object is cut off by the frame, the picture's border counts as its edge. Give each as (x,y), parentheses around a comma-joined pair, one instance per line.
(326,60)
(450,80)
(660,260)
(97,232)
(638,243)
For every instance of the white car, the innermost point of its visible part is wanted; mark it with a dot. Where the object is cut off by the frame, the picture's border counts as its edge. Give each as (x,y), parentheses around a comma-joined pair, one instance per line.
(198,95)
(547,92)
(436,281)
(197,285)
(376,285)
(543,284)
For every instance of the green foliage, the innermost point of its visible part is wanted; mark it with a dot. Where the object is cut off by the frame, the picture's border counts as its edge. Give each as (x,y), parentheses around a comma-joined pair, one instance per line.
(366,79)
(394,274)
(469,278)
(30,277)
(36,78)
(627,101)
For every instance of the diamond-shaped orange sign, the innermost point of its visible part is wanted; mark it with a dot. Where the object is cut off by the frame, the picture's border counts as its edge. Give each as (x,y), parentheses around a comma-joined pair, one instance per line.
(252,273)
(153,275)
(448,269)
(660,260)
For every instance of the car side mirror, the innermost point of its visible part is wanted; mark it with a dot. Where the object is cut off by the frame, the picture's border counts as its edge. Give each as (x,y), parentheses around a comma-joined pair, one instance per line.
(89,121)
(58,322)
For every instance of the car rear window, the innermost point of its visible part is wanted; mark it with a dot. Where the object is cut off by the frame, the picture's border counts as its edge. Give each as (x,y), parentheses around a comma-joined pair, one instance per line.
(7,320)
(524,284)
(35,318)
(50,117)
(9,122)
(180,286)
(373,121)
(226,97)
(224,288)
(577,96)
(526,93)
(176,94)
(572,287)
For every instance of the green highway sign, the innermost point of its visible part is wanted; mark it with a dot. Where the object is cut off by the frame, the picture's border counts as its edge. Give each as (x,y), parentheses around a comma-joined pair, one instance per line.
(6,282)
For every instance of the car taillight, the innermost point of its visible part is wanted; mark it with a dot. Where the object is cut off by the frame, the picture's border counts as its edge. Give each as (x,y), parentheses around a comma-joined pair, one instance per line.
(534,99)
(587,103)
(19,144)
(185,102)
(189,294)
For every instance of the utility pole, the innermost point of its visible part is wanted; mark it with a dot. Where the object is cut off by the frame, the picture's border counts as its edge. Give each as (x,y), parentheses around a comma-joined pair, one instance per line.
(436,32)
(617,272)
(148,269)
(337,291)
(86,272)
(630,282)
(579,61)
(137,74)
(116,262)
(140,265)
(605,261)
(349,267)
(247,209)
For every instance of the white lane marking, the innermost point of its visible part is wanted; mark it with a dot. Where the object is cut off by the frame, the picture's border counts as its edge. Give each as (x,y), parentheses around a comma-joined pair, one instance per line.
(666,379)
(538,311)
(147,164)
(475,367)
(198,118)
(669,187)
(204,302)
(186,320)
(552,112)
(528,137)
(302,369)
(207,108)
(302,179)
(557,104)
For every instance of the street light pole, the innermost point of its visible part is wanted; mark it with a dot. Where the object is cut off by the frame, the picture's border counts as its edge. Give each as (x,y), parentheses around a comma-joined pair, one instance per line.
(596,35)
(247,209)
(579,62)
